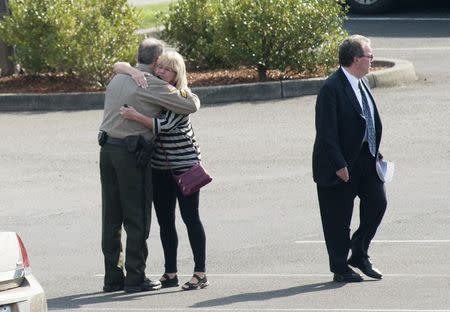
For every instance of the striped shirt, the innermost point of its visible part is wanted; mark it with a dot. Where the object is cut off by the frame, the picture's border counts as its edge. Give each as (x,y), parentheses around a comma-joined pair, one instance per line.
(174,132)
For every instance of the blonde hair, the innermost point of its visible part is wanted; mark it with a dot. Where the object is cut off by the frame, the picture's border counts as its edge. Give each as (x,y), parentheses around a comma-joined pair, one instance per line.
(175,61)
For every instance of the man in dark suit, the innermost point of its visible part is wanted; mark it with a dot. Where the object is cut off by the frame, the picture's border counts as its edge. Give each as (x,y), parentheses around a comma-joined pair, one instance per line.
(348,135)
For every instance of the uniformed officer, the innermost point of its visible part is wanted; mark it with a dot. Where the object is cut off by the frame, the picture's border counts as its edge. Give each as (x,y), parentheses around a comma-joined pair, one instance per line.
(126,184)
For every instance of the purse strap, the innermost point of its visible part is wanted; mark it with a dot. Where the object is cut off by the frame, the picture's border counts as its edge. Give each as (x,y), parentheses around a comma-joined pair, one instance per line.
(167,159)
(165,153)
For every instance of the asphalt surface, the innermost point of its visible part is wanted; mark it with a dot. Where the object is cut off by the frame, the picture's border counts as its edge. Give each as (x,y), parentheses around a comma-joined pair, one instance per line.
(264,238)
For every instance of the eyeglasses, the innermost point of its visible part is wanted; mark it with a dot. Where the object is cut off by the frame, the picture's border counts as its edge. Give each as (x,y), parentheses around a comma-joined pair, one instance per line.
(165,68)
(370,56)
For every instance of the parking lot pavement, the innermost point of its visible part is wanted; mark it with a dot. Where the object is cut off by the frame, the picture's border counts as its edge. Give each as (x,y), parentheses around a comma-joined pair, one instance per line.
(264,238)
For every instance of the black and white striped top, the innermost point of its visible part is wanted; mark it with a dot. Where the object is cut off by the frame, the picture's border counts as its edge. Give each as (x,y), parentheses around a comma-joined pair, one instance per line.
(174,132)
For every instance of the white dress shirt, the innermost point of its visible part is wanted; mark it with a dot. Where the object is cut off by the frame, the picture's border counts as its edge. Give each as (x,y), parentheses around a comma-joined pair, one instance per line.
(354,83)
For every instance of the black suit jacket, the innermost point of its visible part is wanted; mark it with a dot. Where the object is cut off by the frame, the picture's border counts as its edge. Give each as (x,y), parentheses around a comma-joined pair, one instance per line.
(340,129)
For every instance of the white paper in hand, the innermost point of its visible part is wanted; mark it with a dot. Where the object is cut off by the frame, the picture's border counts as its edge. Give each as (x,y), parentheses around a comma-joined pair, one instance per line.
(385,170)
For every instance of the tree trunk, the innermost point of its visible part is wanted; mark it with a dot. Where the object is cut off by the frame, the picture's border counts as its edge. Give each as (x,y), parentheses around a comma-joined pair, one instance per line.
(262,72)
(6,66)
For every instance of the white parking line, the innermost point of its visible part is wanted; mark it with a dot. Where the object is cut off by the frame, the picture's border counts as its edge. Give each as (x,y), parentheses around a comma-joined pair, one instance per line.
(297,275)
(392,241)
(250,309)
(413,49)
(401,19)
(249,275)
(396,241)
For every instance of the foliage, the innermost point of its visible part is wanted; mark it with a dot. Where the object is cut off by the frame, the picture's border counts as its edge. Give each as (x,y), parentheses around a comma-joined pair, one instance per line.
(79,37)
(150,14)
(105,35)
(35,27)
(300,35)
(190,25)
(281,34)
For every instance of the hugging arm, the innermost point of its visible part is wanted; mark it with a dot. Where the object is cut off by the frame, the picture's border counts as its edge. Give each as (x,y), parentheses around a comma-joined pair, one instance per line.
(132,114)
(137,75)
(168,121)
(159,92)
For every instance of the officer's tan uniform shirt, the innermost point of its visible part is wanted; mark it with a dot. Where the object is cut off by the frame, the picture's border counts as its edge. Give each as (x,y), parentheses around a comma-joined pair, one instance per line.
(149,101)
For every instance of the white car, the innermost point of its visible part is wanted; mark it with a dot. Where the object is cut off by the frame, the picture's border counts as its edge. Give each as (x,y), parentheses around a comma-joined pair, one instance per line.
(19,289)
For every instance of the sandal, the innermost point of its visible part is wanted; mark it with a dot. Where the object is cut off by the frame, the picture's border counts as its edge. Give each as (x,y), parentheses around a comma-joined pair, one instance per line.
(201,283)
(169,282)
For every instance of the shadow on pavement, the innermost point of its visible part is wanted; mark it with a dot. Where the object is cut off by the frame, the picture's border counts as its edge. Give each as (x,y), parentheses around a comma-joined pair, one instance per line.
(267,295)
(80,300)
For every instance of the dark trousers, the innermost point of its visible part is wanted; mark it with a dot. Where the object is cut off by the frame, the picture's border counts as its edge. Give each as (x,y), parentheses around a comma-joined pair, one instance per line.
(165,194)
(336,208)
(125,201)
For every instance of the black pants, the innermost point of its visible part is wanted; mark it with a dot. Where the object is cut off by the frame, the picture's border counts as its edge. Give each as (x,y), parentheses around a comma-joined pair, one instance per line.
(165,194)
(126,200)
(336,208)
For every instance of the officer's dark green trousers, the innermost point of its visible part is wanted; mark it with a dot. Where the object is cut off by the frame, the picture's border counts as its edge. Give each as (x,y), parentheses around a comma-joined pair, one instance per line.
(126,200)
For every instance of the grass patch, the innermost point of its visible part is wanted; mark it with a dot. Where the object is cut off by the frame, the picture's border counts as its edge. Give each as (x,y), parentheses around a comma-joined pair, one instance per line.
(149,14)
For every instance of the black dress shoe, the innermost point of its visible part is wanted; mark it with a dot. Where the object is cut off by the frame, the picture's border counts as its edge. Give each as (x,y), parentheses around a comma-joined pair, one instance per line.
(112,287)
(169,282)
(348,277)
(366,267)
(146,285)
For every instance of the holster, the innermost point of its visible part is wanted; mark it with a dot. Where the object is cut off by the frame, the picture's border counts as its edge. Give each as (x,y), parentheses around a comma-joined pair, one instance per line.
(142,148)
(101,137)
(144,154)
(132,143)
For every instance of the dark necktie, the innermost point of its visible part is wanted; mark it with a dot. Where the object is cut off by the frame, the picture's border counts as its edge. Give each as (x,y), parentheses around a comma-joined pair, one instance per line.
(369,121)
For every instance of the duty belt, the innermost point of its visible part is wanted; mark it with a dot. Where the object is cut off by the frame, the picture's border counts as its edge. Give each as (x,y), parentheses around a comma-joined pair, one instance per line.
(116,141)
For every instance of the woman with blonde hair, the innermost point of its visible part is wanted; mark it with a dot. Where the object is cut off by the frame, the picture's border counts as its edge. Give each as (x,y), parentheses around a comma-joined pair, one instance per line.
(176,150)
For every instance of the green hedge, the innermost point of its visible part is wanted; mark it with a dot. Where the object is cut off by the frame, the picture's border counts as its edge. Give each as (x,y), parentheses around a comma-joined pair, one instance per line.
(299,35)
(82,38)
(190,25)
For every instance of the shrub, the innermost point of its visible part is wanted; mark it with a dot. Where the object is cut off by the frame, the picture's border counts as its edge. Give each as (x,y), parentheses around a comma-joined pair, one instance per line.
(299,35)
(190,26)
(83,37)
(104,36)
(36,28)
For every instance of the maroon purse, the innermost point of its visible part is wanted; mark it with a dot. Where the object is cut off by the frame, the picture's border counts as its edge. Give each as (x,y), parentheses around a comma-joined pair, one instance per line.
(192,180)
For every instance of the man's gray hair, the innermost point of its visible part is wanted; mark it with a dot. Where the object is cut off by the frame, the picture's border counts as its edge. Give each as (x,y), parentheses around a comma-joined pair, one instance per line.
(149,51)
(351,47)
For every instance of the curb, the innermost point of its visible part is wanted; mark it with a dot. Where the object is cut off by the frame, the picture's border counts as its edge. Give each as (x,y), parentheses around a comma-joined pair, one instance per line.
(401,72)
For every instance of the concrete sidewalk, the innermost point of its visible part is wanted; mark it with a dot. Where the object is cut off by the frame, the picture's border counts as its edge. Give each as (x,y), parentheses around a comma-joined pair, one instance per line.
(400,72)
